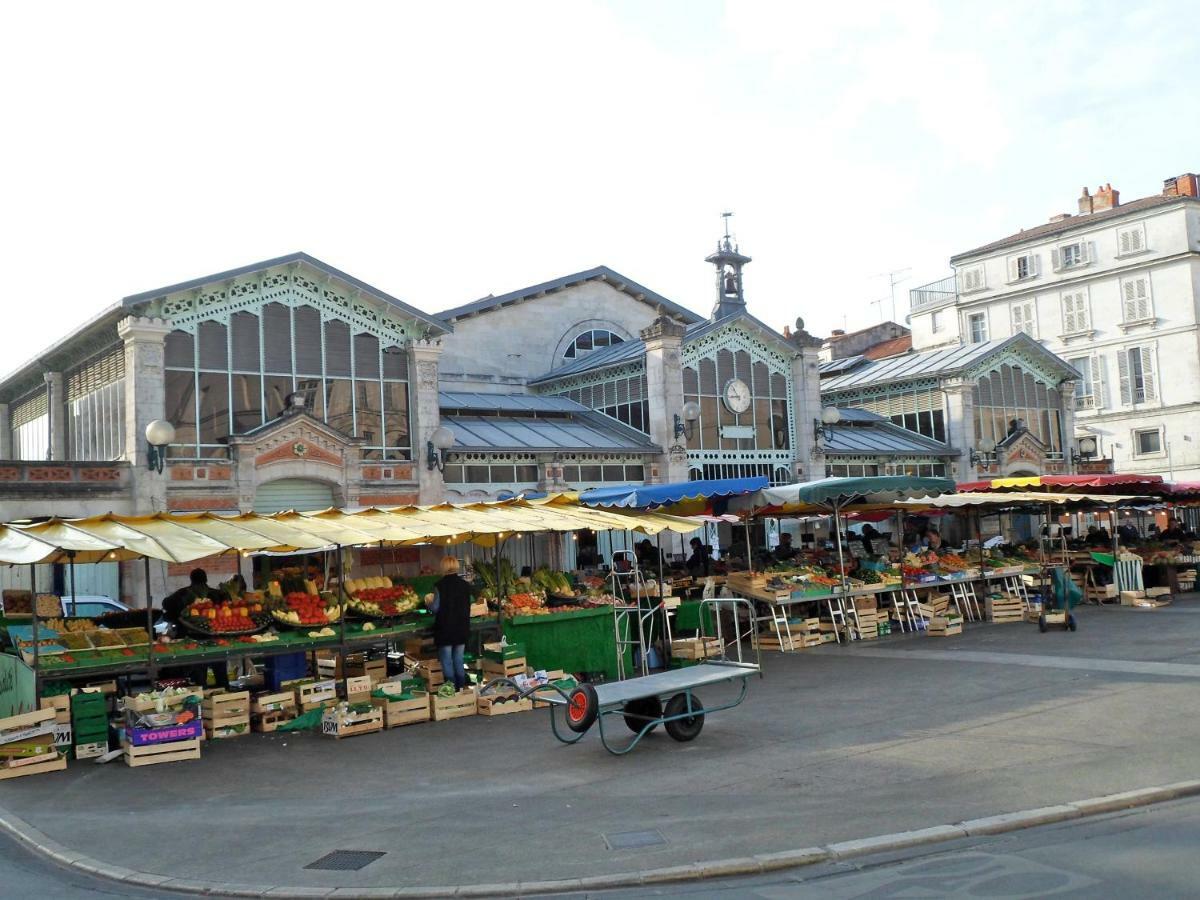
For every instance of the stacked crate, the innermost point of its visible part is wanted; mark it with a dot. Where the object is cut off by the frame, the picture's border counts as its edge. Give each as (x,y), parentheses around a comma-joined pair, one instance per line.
(401,704)
(945,626)
(347,720)
(314,693)
(226,714)
(61,704)
(503,661)
(269,711)
(27,744)
(422,654)
(89,724)
(869,618)
(452,706)
(1003,607)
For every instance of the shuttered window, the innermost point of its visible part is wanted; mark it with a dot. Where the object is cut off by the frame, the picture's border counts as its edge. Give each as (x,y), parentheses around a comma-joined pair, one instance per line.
(1137,374)
(95,407)
(1075,314)
(1135,292)
(1023,318)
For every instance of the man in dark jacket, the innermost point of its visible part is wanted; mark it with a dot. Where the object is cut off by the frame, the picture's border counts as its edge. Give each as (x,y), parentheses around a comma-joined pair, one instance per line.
(451,608)
(198,589)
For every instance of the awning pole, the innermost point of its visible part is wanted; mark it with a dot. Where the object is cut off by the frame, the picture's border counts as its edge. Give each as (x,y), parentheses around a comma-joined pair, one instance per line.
(749,553)
(71,569)
(149,619)
(382,573)
(36,643)
(341,598)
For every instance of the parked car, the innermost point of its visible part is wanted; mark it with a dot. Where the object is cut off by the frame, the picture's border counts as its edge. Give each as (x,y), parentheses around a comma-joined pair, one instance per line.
(91,605)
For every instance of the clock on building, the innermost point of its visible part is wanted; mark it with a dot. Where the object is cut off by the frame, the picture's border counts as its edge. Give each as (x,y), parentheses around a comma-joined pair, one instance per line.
(737,395)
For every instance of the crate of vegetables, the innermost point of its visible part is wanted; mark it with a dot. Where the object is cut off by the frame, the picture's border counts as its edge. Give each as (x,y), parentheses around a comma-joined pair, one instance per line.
(407,707)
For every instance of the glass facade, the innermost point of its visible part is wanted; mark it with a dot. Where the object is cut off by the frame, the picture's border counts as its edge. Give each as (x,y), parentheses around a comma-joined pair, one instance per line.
(30,418)
(233,376)
(623,399)
(920,409)
(587,341)
(95,407)
(765,423)
(1007,394)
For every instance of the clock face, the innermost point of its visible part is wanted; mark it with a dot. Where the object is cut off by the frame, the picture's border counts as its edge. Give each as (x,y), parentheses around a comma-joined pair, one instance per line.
(737,395)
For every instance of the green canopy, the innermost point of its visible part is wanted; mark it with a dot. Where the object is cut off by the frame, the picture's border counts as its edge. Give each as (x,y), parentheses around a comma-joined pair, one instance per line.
(836,493)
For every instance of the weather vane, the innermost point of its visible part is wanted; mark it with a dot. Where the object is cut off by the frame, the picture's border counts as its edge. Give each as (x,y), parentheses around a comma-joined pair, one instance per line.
(725,216)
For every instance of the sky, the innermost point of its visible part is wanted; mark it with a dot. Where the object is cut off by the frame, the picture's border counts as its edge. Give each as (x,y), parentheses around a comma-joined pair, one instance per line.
(445,151)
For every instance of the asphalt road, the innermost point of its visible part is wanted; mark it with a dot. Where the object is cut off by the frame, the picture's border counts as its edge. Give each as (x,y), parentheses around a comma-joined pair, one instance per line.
(836,743)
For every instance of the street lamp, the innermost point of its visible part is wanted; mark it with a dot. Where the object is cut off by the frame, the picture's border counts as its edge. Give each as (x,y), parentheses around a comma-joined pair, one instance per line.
(439,442)
(1087,449)
(823,427)
(985,454)
(159,435)
(686,425)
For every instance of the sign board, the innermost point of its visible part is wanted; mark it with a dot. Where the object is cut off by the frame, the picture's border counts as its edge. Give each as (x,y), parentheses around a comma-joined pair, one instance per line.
(737,432)
(16,687)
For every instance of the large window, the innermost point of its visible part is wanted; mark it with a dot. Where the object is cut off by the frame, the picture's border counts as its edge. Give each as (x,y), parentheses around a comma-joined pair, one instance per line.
(623,399)
(231,377)
(1008,395)
(763,425)
(592,339)
(977,327)
(919,409)
(95,407)
(31,426)
(1139,380)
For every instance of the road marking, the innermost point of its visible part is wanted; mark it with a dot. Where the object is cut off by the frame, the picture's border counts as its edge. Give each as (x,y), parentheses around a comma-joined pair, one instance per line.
(1082,663)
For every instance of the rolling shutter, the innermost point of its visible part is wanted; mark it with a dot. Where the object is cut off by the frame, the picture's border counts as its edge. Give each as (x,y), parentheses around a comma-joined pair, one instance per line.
(299,494)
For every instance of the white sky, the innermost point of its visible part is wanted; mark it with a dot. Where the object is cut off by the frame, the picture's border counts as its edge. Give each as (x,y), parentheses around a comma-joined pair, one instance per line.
(444,151)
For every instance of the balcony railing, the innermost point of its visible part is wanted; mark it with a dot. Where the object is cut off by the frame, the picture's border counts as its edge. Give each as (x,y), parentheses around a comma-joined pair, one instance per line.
(1086,402)
(936,293)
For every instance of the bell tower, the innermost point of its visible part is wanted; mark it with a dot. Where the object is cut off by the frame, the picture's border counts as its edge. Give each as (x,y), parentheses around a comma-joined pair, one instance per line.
(731,298)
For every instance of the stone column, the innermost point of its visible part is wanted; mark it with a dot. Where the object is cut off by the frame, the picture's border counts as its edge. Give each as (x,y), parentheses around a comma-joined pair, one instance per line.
(808,461)
(960,427)
(56,404)
(6,442)
(664,393)
(1066,399)
(145,401)
(425,415)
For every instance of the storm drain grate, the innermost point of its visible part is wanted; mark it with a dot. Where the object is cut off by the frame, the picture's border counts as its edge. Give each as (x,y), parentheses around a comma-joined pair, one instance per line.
(633,840)
(346,860)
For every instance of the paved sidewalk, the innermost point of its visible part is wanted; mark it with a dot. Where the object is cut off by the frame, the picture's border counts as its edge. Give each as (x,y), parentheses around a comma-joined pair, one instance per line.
(834,744)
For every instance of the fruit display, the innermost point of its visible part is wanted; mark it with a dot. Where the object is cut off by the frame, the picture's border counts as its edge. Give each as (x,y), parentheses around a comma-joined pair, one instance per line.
(64,626)
(527,604)
(226,617)
(384,602)
(300,610)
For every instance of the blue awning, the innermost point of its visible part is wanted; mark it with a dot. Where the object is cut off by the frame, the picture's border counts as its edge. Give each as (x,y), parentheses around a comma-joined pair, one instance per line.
(651,496)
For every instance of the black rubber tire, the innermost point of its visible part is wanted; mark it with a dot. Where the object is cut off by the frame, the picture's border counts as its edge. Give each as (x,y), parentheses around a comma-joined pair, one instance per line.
(684,730)
(1042,623)
(638,711)
(582,708)
(1072,625)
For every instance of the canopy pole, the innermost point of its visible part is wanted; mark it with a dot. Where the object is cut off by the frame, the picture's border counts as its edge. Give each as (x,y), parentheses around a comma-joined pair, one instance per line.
(341,598)
(979,541)
(382,573)
(837,525)
(749,553)
(37,697)
(500,595)
(900,545)
(71,569)
(149,619)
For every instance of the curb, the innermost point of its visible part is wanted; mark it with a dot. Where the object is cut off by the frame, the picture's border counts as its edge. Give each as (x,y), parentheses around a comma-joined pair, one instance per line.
(35,840)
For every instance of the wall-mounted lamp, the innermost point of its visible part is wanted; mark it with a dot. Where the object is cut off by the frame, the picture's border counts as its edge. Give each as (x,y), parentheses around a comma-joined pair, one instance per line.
(159,435)
(823,427)
(1086,450)
(985,455)
(685,425)
(439,442)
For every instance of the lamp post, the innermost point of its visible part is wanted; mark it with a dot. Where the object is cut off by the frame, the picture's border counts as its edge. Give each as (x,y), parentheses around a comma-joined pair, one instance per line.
(439,442)
(823,427)
(1085,451)
(159,435)
(984,454)
(685,425)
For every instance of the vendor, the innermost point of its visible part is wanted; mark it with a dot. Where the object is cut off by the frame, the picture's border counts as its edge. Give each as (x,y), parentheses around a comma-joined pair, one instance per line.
(197,589)
(785,550)
(451,608)
(934,540)
(697,564)
(868,535)
(648,556)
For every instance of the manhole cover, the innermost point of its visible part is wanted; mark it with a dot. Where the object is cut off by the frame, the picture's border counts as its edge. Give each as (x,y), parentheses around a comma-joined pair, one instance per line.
(346,860)
(633,840)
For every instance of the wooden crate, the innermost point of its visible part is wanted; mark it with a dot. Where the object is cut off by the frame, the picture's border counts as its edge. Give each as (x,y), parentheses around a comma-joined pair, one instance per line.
(92,750)
(27,725)
(944,626)
(454,707)
(265,723)
(316,694)
(339,724)
(431,672)
(269,711)
(420,648)
(1003,609)
(486,705)
(503,668)
(358,688)
(404,712)
(148,705)
(697,648)
(61,704)
(374,669)
(153,754)
(33,766)
(227,714)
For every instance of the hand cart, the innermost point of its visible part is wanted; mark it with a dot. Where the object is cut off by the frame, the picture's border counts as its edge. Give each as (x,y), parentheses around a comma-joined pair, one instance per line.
(643,703)
(1066,597)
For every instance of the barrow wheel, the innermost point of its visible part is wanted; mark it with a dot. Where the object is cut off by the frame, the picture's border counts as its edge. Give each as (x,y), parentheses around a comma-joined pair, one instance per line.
(687,728)
(638,711)
(1071,623)
(582,708)
(1042,623)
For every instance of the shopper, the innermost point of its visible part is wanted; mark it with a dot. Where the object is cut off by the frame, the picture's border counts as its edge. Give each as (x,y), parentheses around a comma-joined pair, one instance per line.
(697,564)
(451,609)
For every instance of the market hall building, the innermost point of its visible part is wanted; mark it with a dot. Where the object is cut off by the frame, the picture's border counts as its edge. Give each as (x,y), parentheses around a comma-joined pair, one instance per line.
(291,384)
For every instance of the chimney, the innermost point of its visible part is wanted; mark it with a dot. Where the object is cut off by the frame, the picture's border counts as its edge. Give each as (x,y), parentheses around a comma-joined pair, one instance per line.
(838,332)
(1106,198)
(1187,185)
(1060,217)
(1085,202)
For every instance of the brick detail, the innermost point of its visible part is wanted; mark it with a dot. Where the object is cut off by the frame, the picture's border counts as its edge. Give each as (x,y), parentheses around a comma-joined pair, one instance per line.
(372,473)
(182,473)
(214,565)
(287,451)
(90,474)
(387,499)
(50,473)
(10,473)
(193,504)
(220,473)
(403,473)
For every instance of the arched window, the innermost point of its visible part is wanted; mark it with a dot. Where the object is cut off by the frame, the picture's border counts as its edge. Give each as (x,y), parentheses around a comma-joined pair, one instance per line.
(592,339)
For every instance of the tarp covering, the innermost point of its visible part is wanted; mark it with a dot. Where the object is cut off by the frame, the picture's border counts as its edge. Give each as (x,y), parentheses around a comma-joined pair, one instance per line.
(836,493)
(653,496)
(1117,483)
(1018,500)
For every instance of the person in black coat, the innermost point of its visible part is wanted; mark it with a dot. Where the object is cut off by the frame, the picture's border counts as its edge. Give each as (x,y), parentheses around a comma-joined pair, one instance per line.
(451,610)
(697,564)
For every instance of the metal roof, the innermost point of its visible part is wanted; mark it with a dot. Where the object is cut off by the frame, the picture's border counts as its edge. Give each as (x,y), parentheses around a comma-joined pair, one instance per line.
(943,361)
(298,257)
(840,365)
(600,273)
(519,403)
(881,437)
(587,431)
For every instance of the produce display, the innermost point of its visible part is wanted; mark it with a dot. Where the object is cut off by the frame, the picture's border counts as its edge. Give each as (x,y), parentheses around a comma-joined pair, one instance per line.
(552,582)
(384,602)
(227,617)
(299,609)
